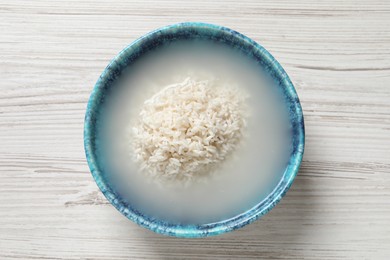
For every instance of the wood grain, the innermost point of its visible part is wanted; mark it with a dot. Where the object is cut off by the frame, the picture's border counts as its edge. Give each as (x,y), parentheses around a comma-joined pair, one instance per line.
(336,53)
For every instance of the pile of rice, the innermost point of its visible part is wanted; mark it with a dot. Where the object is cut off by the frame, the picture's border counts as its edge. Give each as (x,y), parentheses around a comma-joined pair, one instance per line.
(185,129)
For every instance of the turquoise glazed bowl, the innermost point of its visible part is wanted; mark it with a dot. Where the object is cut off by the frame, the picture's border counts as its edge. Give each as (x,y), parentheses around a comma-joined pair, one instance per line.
(158,38)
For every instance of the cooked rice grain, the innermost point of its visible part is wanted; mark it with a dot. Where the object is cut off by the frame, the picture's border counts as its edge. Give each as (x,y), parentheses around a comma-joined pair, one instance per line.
(186,129)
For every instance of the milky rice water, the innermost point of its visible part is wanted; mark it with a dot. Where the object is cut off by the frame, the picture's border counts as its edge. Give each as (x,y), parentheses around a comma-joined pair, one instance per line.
(195,133)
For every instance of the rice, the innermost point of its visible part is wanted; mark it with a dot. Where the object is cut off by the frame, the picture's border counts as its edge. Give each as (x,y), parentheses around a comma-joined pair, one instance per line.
(186,129)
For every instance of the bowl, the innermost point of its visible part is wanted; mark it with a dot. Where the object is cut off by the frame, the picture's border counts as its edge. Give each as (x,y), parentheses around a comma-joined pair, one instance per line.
(159,37)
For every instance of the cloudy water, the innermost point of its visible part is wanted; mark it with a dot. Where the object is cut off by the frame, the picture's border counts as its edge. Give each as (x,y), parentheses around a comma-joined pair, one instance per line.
(239,183)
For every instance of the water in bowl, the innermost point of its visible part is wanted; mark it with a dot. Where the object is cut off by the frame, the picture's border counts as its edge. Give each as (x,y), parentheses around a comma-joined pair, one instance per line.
(237,184)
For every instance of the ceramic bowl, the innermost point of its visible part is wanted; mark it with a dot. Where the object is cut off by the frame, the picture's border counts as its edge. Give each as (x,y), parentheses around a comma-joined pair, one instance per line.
(194,31)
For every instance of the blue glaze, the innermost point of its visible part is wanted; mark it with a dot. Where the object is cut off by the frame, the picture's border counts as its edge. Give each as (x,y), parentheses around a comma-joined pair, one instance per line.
(189,31)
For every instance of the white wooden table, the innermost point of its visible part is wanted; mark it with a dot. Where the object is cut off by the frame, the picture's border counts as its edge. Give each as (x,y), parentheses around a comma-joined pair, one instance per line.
(337,53)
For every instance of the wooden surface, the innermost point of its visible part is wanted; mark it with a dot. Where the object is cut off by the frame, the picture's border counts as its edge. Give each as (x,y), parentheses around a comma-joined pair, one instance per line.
(337,53)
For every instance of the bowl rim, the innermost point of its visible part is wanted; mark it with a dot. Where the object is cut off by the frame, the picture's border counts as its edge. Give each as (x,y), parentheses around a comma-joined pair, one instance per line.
(203,230)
